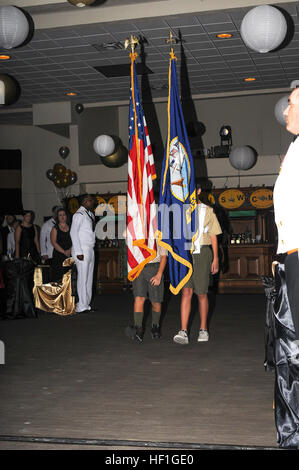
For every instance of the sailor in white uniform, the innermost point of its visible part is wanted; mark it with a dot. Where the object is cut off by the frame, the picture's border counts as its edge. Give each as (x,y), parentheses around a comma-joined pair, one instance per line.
(46,247)
(285,197)
(83,240)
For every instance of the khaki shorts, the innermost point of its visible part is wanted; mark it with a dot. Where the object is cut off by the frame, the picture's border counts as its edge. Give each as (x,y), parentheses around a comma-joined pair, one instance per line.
(142,286)
(199,281)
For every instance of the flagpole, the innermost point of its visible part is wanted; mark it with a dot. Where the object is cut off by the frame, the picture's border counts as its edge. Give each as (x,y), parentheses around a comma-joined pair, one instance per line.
(171,40)
(141,209)
(133,42)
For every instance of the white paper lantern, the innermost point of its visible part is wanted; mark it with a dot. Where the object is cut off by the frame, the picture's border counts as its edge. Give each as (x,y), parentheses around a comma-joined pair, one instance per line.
(104,145)
(263,28)
(279,109)
(242,158)
(14,27)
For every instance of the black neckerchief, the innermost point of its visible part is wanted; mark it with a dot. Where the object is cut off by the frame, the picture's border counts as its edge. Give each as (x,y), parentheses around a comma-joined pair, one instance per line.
(92,219)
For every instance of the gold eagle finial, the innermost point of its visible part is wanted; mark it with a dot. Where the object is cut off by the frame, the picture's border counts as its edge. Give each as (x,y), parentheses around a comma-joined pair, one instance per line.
(132,41)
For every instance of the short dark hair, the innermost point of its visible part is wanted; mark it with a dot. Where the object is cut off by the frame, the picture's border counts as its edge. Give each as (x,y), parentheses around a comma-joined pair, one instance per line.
(82,198)
(204,184)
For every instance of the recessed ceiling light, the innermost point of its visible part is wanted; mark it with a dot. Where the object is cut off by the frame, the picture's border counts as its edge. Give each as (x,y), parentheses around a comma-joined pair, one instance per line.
(81,3)
(4,57)
(249,79)
(72,93)
(108,45)
(224,35)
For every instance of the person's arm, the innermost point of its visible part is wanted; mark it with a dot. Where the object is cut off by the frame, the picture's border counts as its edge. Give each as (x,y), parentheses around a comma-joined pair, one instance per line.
(36,240)
(43,241)
(215,262)
(156,280)
(10,243)
(76,224)
(18,232)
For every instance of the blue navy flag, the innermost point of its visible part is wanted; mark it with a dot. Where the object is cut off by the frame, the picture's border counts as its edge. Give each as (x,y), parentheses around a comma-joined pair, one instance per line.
(177,203)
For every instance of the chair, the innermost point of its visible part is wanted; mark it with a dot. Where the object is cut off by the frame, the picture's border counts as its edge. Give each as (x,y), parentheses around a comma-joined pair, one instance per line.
(56,297)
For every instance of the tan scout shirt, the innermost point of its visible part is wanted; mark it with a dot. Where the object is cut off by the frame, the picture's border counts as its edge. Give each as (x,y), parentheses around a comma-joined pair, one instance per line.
(211,226)
(160,252)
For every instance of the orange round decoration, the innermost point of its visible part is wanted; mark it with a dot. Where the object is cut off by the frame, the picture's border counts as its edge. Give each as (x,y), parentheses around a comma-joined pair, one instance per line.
(231,199)
(262,198)
(101,207)
(118,204)
(211,198)
(73,205)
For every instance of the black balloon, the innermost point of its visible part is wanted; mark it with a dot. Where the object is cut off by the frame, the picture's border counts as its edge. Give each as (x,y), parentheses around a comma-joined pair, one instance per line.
(73,178)
(50,175)
(79,108)
(64,151)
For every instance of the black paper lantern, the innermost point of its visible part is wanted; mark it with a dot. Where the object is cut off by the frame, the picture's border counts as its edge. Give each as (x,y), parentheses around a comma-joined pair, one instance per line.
(117,158)
(9,89)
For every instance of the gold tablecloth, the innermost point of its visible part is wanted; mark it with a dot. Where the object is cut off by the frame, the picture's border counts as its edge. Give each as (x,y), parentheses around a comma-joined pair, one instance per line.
(54,297)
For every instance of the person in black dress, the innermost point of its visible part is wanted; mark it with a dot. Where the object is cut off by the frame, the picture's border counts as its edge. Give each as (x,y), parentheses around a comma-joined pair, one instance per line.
(62,243)
(26,238)
(19,272)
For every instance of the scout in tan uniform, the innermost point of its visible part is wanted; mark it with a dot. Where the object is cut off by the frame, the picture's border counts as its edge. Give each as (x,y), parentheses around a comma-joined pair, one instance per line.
(150,284)
(205,261)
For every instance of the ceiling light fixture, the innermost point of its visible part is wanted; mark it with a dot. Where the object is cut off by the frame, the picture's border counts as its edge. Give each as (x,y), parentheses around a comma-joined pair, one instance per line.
(222,150)
(4,57)
(71,93)
(224,35)
(81,3)
(249,79)
(108,45)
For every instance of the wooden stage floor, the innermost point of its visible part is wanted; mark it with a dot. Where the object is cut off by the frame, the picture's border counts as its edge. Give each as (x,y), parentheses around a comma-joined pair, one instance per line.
(80,377)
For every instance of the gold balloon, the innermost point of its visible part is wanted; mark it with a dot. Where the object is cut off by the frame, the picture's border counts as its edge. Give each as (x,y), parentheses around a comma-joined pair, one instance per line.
(73,205)
(58,182)
(65,182)
(67,177)
(117,158)
(59,169)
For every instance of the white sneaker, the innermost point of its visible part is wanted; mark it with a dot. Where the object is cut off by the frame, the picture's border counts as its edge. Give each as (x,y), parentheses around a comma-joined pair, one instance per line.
(181,337)
(203,336)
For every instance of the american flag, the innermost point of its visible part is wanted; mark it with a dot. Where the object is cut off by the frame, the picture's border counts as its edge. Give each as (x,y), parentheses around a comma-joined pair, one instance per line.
(141,210)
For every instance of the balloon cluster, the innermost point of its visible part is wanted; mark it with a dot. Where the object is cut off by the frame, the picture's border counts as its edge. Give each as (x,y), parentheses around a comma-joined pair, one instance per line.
(61,176)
